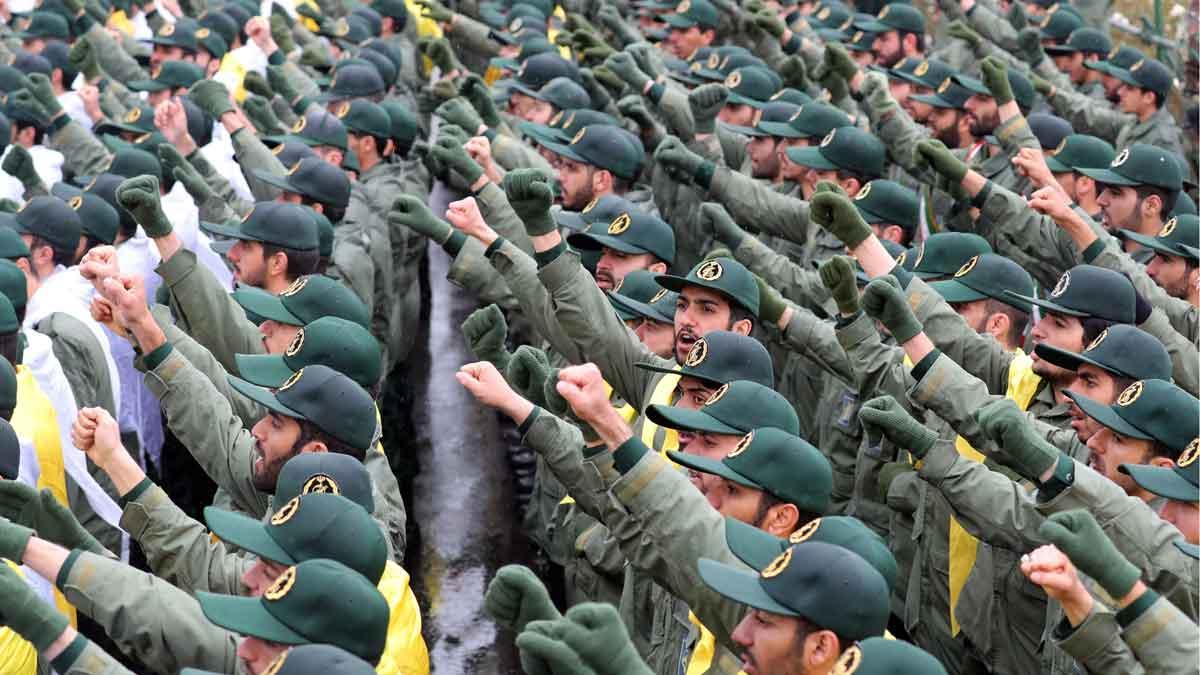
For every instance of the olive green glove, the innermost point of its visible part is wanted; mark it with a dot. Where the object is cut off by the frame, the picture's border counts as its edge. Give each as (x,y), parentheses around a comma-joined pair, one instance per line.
(598,635)
(13,539)
(43,91)
(23,98)
(829,186)
(459,112)
(634,108)
(682,163)
(1016,16)
(530,195)
(476,91)
(837,274)
(995,78)
(600,97)
(442,54)
(260,113)
(26,614)
(769,23)
(610,17)
(281,33)
(553,401)
(623,66)
(527,372)
(18,163)
(888,473)
(486,330)
(412,213)
(9,206)
(959,29)
(83,59)
(1041,85)
(450,152)
(721,223)
(25,505)
(794,73)
(278,79)
(648,59)
(1020,447)
(310,12)
(543,651)
(316,55)
(516,596)
(836,85)
(212,97)
(1077,534)
(883,417)
(256,83)
(435,10)
(706,102)
(185,173)
(935,155)
(140,196)
(836,213)
(1029,46)
(771,304)
(884,301)
(837,60)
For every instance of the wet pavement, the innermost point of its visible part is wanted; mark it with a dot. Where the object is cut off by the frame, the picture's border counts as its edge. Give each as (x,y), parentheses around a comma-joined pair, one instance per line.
(462,498)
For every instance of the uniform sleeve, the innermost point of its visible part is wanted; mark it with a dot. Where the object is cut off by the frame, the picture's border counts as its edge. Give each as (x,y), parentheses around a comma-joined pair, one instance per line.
(1030,239)
(202,360)
(471,270)
(1163,639)
(760,207)
(93,660)
(224,203)
(1185,358)
(499,214)
(475,34)
(980,356)
(511,154)
(1097,645)
(252,155)
(878,368)
(521,275)
(995,28)
(82,357)
(83,155)
(801,286)
(808,335)
(390,512)
(112,57)
(1087,117)
(348,264)
(561,445)
(1182,315)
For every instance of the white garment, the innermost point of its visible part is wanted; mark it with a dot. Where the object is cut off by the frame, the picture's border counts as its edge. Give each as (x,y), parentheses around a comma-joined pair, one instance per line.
(179,208)
(73,105)
(25,6)
(11,188)
(141,27)
(48,164)
(219,153)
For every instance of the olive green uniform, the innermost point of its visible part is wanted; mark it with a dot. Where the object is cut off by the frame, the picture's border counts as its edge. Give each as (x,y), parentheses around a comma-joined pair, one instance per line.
(370,200)
(1121,129)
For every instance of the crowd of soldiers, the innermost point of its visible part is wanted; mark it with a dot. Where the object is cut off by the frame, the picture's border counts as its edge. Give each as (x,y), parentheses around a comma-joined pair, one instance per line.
(838,338)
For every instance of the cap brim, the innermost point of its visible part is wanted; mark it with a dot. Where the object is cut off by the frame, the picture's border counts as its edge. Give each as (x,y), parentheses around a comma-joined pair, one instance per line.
(587,240)
(265,370)
(740,586)
(682,371)
(1059,49)
(262,303)
(564,150)
(261,396)
(738,99)
(1064,359)
(1108,177)
(757,548)
(714,467)
(872,26)
(1162,481)
(147,85)
(1191,550)
(246,533)
(230,231)
(780,129)
(745,131)
(1125,76)
(638,308)
(811,158)
(935,101)
(1045,304)
(275,179)
(1105,415)
(1056,166)
(679,21)
(247,616)
(689,420)
(1149,242)
(954,291)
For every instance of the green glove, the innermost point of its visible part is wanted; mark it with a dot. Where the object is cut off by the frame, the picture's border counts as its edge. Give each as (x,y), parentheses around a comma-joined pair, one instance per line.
(443,56)
(185,173)
(609,79)
(837,60)
(282,85)
(995,78)
(836,86)
(450,152)
(601,99)
(26,506)
(635,109)
(18,163)
(315,55)
(140,196)
(610,17)
(553,401)
(530,196)
(1016,16)
(255,83)
(598,635)
(443,90)
(1020,447)
(830,187)
(13,539)
(836,213)
(412,213)
(435,10)
(527,372)
(935,155)
(486,330)
(794,73)
(769,23)
(281,33)
(1077,534)
(724,229)
(516,596)
(837,274)
(1041,84)
(26,614)
(706,102)
(648,59)
(212,97)
(771,304)
(543,652)
(623,66)
(83,59)
(718,252)
(309,12)
(684,164)
(883,417)
(576,21)
(9,206)
(754,6)
(476,91)
(459,112)
(888,473)
(43,91)
(884,301)
(260,113)
(959,29)
(1029,46)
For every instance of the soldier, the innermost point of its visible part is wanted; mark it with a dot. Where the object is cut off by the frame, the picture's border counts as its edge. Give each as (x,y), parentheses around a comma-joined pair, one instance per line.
(598,160)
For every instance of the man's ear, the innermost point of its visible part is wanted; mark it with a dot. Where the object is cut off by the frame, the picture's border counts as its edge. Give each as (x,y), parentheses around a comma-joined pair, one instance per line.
(998,325)
(336,157)
(1152,207)
(315,446)
(277,263)
(781,520)
(893,233)
(742,327)
(1165,462)
(658,267)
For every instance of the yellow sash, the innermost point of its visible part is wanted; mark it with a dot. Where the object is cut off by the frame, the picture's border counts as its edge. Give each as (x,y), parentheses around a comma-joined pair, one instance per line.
(663,392)
(404,653)
(705,650)
(121,22)
(34,420)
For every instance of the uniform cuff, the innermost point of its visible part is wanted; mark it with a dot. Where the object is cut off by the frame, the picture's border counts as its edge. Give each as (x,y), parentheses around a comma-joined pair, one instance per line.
(793,45)
(628,454)
(65,571)
(493,247)
(704,174)
(923,366)
(276,58)
(1093,250)
(67,658)
(523,427)
(1136,608)
(1062,478)
(155,358)
(137,491)
(544,258)
(655,93)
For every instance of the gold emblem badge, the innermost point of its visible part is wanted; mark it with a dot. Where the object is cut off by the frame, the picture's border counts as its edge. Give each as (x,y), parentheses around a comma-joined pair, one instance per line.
(717,395)
(804,533)
(296,344)
(828,138)
(590,205)
(248,214)
(858,37)
(202,33)
(1120,158)
(1061,144)
(321,484)
(714,61)
(167,30)
(299,125)
(1112,54)
(515,26)
(775,96)
(1168,228)
(921,69)
(285,514)
(657,296)
(943,86)
(155,72)
(570,120)
(295,287)
(1099,338)
(778,565)
(846,24)
(848,662)
(341,28)
(75,203)
(282,585)
(133,115)
(967,267)
(619,224)
(1061,287)
(862,194)
(920,257)
(275,665)
(579,136)
(1132,393)
(742,444)
(901,258)
(554,121)
(696,354)
(696,67)
(1137,66)
(277,150)
(295,168)
(291,381)
(684,6)
(796,114)
(884,13)
(823,14)
(1190,453)
(343,109)
(710,270)
(142,139)
(617,288)
(734,79)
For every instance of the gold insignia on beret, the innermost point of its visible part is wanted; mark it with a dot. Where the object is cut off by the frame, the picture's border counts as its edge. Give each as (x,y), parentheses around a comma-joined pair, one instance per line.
(294,287)
(291,381)
(1096,342)
(710,270)
(320,483)
(75,203)
(714,60)
(828,138)
(570,120)
(579,136)
(778,565)
(717,395)
(156,71)
(285,514)
(696,354)
(554,121)
(142,139)
(341,28)
(590,205)
(848,662)
(299,125)
(133,115)
(244,218)
(684,6)
(1190,453)
(696,67)
(1061,145)
(734,79)
(202,33)
(724,63)
(1169,227)
(775,96)
(920,256)
(823,14)
(167,30)
(943,86)
(343,109)
(282,585)
(967,267)
(742,444)
(796,114)
(884,13)
(1061,287)
(619,224)
(296,344)
(1137,66)
(921,69)
(277,150)
(1120,158)
(295,168)
(617,288)
(657,296)
(90,184)
(275,665)
(862,194)
(846,24)
(1045,20)
(901,258)
(1131,394)
(804,533)
(515,26)
(858,36)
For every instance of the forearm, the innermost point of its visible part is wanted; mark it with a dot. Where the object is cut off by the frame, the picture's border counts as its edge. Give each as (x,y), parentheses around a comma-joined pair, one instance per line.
(797,284)
(112,57)
(207,312)
(499,215)
(520,274)
(761,207)
(252,155)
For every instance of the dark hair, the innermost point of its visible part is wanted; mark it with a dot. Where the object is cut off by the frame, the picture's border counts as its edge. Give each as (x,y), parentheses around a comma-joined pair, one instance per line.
(6,413)
(846,174)
(1167,197)
(10,349)
(62,256)
(90,242)
(323,264)
(1018,320)
(1092,327)
(299,262)
(39,132)
(309,432)
(920,39)
(807,628)
(335,214)
(767,501)
(738,313)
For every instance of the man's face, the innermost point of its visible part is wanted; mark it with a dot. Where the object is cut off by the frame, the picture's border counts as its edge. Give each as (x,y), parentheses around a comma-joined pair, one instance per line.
(919,111)
(737,114)
(712,446)
(770,644)
(1112,87)
(788,169)
(614,265)
(261,575)
(551,158)
(275,439)
(1172,273)
(659,337)
(520,105)
(1057,330)
(1096,384)
(1072,65)
(1066,181)
(764,160)
(1130,98)
(982,114)
(693,394)
(1119,205)
(539,112)
(249,263)
(736,501)
(1185,516)
(258,654)
(698,311)
(900,91)
(683,42)
(863,59)
(974,313)
(156,97)
(575,183)
(1110,450)
(887,48)
(203,58)
(34,45)
(277,336)
(164,53)
(943,125)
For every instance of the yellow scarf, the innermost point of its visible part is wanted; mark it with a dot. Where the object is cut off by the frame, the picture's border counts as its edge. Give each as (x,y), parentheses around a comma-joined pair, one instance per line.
(705,650)
(663,392)
(404,653)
